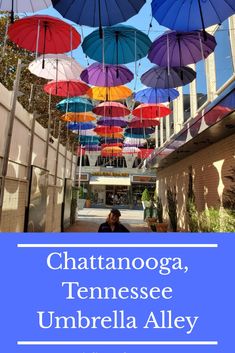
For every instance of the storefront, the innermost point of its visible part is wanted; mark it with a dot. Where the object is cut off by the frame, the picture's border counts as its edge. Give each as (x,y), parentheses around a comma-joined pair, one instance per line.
(138,184)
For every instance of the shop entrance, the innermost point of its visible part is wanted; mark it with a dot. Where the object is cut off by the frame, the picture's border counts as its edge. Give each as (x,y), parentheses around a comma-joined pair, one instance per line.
(117,196)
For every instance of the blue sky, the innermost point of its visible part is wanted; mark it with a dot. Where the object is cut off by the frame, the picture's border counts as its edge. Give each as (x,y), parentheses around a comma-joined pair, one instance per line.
(140,21)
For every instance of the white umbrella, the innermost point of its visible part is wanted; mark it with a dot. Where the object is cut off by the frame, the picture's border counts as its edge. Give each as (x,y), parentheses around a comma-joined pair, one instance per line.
(134,141)
(57,67)
(130,150)
(88,133)
(24,5)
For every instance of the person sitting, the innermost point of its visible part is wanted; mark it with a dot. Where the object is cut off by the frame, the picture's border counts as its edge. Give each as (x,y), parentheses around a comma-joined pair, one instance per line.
(112,223)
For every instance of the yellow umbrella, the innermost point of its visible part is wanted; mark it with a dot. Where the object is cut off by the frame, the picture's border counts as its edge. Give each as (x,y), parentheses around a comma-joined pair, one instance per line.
(78,117)
(109,93)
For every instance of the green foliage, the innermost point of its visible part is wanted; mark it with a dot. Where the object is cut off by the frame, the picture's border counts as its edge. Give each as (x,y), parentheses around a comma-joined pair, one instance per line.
(145,195)
(229,194)
(172,208)
(159,210)
(217,220)
(192,216)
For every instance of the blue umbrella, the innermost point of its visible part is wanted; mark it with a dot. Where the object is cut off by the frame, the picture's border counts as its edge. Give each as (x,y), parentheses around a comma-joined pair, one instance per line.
(98,13)
(156,95)
(120,45)
(163,77)
(189,15)
(81,126)
(75,105)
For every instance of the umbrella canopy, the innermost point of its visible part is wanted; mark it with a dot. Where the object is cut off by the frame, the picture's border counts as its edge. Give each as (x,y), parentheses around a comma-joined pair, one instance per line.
(145,152)
(111,109)
(138,123)
(111,151)
(107,75)
(109,140)
(97,13)
(58,67)
(80,126)
(134,142)
(114,135)
(108,129)
(181,49)
(75,105)
(20,6)
(115,144)
(109,93)
(88,133)
(89,139)
(80,151)
(78,117)
(190,15)
(138,131)
(147,111)
(130,150)
(163,77)
(92,148)
(119,45)
(70,88)
(136,136)
(112,122)
(44,34)
(156,95)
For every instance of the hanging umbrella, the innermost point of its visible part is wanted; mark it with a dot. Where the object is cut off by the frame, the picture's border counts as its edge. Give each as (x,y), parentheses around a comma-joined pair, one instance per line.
(130,150)
(111,151)
(138,123)
(145,153)
(146,111)
(156,95)
(107,75)
(112,122)
(58,67)
(81,151)
(119,45)
(80,126)
(88,142)
(163,77)
(108,129)
(146,131)
(98,13)
(109,93)
(132,142)
(19,6)
(92,148)
(78,117)
(190,15)
(75,105)
(71,88)
(44,34)
(181,49)
(88,133)
(111,109)
(88,137)
(115,144)
(113,135)
(136,136)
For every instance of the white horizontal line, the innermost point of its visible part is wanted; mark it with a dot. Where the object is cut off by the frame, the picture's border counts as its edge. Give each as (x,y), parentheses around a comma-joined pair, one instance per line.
(114,343)
(117,245)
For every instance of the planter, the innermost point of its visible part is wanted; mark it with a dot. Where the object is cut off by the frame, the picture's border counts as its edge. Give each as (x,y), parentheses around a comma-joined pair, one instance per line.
(162,227)
(88,203)
(152,223)
(80,204)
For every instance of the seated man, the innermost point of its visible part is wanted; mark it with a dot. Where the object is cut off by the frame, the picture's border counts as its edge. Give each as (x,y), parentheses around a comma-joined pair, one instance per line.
(112,223)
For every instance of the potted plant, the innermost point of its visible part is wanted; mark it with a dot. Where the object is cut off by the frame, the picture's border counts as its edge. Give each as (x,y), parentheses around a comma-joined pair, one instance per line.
(88,199)
(81,198)
(161,226)
(172,208)
(146,202)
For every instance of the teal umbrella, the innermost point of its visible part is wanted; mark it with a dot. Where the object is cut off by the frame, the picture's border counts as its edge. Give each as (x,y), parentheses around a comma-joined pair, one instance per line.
(75,105)
(120,45)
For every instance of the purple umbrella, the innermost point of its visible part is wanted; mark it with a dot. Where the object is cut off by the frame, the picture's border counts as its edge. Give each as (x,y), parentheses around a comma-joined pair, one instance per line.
(107,75)
(112,122)
(181,48)
(92,148)
(163,77)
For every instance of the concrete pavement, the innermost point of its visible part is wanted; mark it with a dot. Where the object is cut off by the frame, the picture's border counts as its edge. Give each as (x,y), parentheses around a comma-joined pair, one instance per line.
(89,219)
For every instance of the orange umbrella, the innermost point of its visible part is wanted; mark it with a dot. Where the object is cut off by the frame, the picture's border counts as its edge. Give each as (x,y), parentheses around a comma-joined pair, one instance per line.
(114,135)
(78,117)
(109,93)
(111,151)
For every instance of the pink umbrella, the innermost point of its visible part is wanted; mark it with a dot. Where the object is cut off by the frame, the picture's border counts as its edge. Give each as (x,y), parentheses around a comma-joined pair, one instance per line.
(111,109)
(147,111)
(71,88)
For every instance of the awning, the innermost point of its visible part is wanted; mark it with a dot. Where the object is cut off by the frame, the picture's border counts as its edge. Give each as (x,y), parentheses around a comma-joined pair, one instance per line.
(104,180)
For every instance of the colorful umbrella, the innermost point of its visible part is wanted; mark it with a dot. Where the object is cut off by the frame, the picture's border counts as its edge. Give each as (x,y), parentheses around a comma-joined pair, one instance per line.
(181,49)
(136,136)
(112,122)
(75,105)
(119,45)
(190,15)
(98,13)
(163,77)
(143,123)
(145,153)
(111,109)
(20,6)
(107,75)
(58,67)
(114,135)
(108,129)
(147,111)
(132,142)
(138,131)
(130,150)
(71,88)
(156,95)
(92,148)
(78,117)
(80,151)
(111,151)
(88,133)
(109,140)
(44,34)
(80,126)
(109,93)
(117,144)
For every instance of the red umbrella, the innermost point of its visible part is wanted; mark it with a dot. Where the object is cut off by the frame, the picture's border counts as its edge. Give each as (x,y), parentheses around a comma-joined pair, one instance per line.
(44,34)
(108,129)
(144,123)
(145,153)
(72,88)
(147,111)
(111,109)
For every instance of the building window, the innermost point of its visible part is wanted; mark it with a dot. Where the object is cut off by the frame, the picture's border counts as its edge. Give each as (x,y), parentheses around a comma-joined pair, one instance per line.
(186,102)
(223,55)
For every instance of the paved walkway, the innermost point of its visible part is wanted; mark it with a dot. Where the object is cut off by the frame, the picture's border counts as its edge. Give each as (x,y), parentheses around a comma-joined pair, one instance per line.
(89,219)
